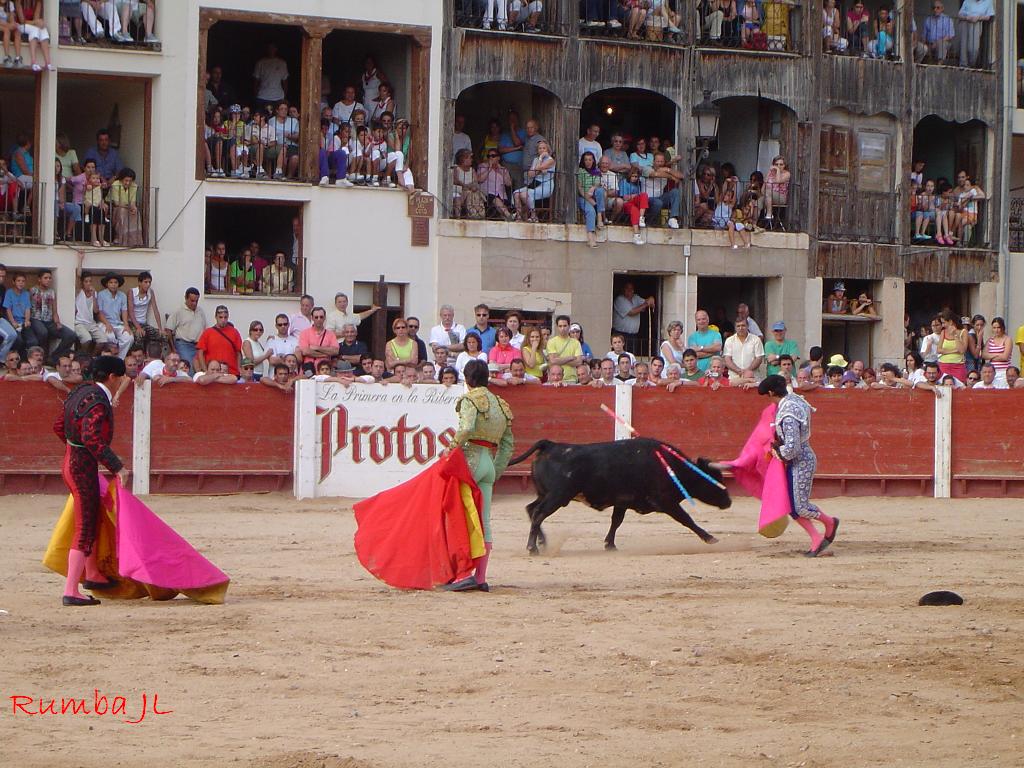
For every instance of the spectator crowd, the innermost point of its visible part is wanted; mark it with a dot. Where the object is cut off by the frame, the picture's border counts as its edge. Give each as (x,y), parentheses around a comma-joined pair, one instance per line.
(362,139)
(323,344)
(634,180)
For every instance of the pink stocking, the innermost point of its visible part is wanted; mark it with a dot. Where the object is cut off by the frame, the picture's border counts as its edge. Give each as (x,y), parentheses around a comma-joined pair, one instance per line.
(830,523)
(481,564)
(808,525)
(76,564)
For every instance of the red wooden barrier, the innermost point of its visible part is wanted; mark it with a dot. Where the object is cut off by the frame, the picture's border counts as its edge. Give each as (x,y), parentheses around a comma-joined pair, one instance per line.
(221,439)
(988,443)
(30,460)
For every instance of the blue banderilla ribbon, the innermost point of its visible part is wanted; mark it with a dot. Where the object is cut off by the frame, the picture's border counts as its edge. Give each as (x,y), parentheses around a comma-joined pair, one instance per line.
(693,466)
(675,479)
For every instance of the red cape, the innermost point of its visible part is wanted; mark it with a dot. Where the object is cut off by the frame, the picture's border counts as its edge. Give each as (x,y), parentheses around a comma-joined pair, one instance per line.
(415,535)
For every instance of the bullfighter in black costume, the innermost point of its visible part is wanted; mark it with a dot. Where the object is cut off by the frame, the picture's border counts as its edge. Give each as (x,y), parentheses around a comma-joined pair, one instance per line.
(87,427)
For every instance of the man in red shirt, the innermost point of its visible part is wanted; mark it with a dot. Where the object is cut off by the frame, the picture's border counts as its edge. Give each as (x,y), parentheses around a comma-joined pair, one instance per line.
(318,343)
(220,342)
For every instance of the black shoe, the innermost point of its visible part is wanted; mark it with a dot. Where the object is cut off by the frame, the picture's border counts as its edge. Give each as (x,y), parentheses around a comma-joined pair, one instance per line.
(71,600)
(483,586)
(835,530)
(465,585)
(90,585)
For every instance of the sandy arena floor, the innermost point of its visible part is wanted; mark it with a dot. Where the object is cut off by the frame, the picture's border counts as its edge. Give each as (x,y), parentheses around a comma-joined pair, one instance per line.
(666,653)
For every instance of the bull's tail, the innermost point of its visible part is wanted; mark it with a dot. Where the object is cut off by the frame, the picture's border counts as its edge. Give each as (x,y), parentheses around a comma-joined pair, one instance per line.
(540,445)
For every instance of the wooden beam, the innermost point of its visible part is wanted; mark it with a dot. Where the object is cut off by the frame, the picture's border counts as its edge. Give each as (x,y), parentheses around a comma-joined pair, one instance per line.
(309,111)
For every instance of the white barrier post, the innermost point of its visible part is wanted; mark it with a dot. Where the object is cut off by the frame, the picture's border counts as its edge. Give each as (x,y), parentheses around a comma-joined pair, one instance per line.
(624,410)
(306,458)
(141,430)
(943,442)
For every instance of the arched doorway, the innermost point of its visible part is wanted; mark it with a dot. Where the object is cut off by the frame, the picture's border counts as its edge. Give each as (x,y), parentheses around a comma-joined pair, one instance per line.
(488,112)
(630,113)
(948,149)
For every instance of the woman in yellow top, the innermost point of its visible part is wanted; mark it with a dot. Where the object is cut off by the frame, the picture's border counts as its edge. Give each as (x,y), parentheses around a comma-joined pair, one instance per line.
(533,353)
(124,201)
(952,345)
(401,349)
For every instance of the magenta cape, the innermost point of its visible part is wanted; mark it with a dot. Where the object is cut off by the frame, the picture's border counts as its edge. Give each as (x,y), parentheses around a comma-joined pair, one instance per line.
(762,475)
(424,532)
(141,551)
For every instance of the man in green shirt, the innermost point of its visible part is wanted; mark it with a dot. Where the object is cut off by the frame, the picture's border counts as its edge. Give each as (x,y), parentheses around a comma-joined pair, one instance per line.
(564,350)
(780,345)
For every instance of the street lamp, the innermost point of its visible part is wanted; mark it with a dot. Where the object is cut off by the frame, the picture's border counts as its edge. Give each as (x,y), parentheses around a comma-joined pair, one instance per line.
(706,115)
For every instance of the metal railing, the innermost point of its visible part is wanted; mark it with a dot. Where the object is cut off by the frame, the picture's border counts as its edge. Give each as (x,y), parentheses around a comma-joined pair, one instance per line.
(20,221)
(777,27)
(863,42)
(859,217)
(131,224)
(1017,224)
(263,152)
(606,18)
(951,53)
(525,16)
(120,24)
(559,203)
(471,201)
(265,281)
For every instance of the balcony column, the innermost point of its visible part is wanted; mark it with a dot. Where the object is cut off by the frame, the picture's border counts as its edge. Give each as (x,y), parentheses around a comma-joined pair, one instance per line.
(565,145)
(45,143)
(204,34)
(309,101)
(446,154)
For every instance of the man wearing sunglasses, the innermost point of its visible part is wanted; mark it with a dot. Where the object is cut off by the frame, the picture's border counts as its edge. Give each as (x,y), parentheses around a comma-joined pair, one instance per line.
(281,343)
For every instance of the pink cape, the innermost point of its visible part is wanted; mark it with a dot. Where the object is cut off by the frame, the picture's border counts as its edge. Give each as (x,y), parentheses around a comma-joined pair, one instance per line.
(141,551)
(762,475)
(421,533)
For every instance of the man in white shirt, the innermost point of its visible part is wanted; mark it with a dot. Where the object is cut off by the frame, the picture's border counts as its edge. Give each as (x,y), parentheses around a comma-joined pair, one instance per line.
(270,78)
(988,378)
(282,343)
(742,310)
(627,309)
(588,143)
(460,140)
(163,371)
(86,327)
(744,354)
(284,149)
(448,334)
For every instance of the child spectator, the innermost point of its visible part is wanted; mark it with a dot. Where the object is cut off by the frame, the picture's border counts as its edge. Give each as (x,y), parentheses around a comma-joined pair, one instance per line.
(634,202)
(259,140)
(925,210)
(358,165)
(742,220)
(236,146)
(723,213)
(219,137)
(330,154)
(94,208)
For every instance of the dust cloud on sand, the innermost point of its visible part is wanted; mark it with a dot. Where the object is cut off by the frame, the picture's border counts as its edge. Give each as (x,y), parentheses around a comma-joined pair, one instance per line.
(665,653)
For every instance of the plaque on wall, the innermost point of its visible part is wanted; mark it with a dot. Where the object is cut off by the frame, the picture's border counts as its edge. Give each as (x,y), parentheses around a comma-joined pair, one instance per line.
(421,211)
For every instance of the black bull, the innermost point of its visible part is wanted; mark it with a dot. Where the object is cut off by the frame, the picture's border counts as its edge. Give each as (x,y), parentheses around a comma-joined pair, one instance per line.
(625,474)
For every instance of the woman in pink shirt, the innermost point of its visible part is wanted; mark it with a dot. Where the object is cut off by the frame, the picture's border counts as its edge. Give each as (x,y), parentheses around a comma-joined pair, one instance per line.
(503,353)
